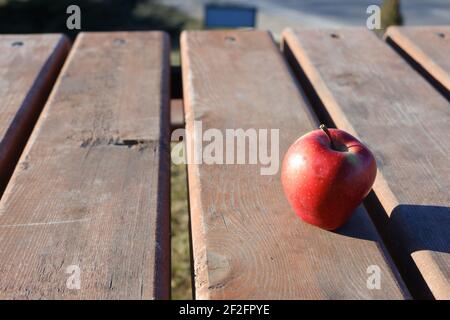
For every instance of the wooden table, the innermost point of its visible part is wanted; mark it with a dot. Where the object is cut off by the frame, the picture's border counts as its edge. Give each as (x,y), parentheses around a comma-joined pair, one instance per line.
(88,187)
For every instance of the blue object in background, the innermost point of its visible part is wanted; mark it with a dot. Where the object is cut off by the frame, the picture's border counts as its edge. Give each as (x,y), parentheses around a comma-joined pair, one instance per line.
(229,16)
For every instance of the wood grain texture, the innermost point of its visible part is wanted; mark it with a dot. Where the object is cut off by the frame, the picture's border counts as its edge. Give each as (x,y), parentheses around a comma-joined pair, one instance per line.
(247,241)
(29,65)
(371,92)
(428,46)
(92,186)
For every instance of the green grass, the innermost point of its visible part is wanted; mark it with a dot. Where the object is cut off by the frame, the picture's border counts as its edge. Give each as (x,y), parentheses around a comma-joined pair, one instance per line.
(181,264)
(390,15)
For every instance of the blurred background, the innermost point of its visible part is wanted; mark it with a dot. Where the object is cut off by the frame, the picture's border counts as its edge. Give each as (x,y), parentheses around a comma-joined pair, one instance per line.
(173,16)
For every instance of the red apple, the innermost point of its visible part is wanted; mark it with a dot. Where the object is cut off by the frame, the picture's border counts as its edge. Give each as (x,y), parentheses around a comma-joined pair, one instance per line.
(325,175)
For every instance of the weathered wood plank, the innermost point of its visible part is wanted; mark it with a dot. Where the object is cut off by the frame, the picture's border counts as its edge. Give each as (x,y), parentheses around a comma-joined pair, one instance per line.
(371,92)
(29,65)
(247,241)
(428,46)
(92,186)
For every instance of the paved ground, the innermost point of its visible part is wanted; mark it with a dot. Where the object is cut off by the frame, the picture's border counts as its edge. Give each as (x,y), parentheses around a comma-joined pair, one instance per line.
(276,14)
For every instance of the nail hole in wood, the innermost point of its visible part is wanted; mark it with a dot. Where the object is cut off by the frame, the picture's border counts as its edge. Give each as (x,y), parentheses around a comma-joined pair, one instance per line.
(334,36)
(17,44)
(441,35)
(119,42)
(230,39)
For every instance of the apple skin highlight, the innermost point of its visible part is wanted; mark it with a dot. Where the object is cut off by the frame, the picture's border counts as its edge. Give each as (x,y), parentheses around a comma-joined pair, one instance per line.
(325,176)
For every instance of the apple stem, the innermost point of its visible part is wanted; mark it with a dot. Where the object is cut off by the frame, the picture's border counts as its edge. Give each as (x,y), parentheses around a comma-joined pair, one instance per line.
(327,132)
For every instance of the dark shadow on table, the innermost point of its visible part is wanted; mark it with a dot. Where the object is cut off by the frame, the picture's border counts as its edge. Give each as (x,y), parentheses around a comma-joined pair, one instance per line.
(411,228)
(426,227)
(359,226)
